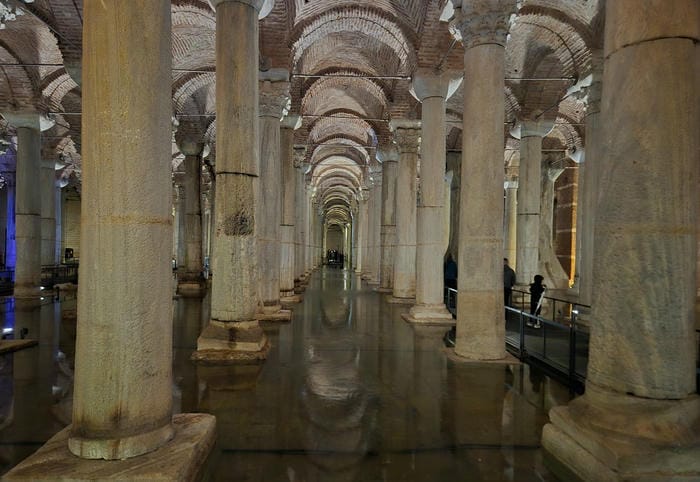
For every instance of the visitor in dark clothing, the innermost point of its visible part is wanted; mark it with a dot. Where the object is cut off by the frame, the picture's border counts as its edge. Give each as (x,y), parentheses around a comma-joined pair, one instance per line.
(508,283)
(537,290)
(450,270)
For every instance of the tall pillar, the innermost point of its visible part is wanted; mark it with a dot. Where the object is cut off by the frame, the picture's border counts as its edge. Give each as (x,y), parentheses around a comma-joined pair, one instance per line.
(122,403)
(511,221)
(376,239)
(454,164)
(274,97)
(308,209)
(389,157)
(407,138)
(48,213)
(640,416)
(588,180)
(480,326)
(300,210)
(234,334)
(362,232)
(179,226)
(432,90)
(27,205)
(529,199)
(190,278)
(288,222)
(549,265)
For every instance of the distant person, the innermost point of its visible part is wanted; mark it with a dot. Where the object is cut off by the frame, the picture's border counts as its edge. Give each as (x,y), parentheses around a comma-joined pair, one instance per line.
(450,270)
(537,289)
(508,283)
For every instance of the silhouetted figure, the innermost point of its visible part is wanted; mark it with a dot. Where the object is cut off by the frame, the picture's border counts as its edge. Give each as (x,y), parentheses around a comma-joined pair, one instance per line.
(537,290)
(450,270)
(508,283)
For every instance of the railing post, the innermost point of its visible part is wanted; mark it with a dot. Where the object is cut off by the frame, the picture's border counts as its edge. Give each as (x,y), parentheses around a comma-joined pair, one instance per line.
(522,334)
(572,351)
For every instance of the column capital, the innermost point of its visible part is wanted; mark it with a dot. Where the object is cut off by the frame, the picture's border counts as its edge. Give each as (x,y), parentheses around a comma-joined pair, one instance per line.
(300,157)
(190,147)
(532,128)
(263,7)
(291,121)
(274,98)
(29,120)
(430,83)
(388,153)
(479,22)
(406,135)
(592,93)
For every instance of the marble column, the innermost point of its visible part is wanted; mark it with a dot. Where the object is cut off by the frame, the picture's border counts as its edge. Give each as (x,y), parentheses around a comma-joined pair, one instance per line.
(122,403)
(27,205)
(480,328)
(300,209)
(274,98)
(308,203)
(377,238)
(288,222)
(362,232)
(588,180)
(389,156)
(640,416)
(190,280)
(179,226)
(431,89)
(529,199)
(234,334)
(407,138)
(48,213)
(511,221)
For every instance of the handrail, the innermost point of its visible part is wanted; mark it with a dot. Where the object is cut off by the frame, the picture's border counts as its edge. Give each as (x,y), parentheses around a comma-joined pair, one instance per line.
(553,298)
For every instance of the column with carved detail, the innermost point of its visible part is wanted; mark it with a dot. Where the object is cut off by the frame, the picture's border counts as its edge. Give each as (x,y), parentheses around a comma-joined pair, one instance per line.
(274,99)
(407,137)
(288,222)
(234,333)
(432,89)
(389,156)
(483,26)
(640,416)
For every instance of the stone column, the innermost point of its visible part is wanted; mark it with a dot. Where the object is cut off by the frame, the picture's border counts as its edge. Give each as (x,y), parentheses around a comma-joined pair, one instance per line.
(432,90)
(300,224)
(287,226)
(549,265)
(454,164)
(529,199)
(511,221)
(122,404)
(308,202)
(640,416)
(407,137)
(363,226)
(376,241)
(480,327)
(588,180)
(179,226)
(27,205)
(234,333)
(389,157)
(189,276)
(274,97)
(48,213)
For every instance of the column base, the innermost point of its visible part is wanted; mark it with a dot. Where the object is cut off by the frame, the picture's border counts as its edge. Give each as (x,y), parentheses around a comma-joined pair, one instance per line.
(229,343)
(290,299)
(274,313)
(607,436)
(429,315)
(379,289)
(27,292)
(182,458)
(508,360)
(394,300)
(191,288)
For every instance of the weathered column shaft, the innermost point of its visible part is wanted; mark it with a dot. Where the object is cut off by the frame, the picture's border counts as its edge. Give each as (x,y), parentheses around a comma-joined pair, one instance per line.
(287,232)
(388,232)
(300,224)
(362,232)
(407,137)
(122,405)
(193,218)
(48,213)
(511,222)
(480,326)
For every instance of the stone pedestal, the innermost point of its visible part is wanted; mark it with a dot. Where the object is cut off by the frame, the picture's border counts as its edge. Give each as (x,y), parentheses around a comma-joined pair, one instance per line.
(234,333)
(407,138)
(640,416)
(480,312)
(432,90)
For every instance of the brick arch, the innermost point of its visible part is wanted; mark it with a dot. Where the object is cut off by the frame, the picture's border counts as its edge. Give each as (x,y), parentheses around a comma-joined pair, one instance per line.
(360,95)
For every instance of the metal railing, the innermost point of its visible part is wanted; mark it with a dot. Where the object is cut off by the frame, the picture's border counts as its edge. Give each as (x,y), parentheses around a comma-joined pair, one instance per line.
(58,274)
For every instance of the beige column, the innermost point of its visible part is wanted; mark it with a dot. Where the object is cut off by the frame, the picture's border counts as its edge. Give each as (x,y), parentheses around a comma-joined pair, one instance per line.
(287,226)
(189,276)
(362,232)
(549,265)
(480,327)
(377,238)
(407,138)
(274,97)
(48,213)
(389,157)
(300,222)
(454,164)
(511,221)
(640,416)
(431,89)
(27,205)
(122,404)
(234,333)
(179,226)
(308,209)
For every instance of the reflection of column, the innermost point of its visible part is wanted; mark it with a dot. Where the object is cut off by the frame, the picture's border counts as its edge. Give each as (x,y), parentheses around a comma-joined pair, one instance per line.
(407,138)
(27,205)
(190,273)
(529,202)
(640,414)
(480,327)
(48,213)
(432,91)
(287,225)
(389,156)
(588,179)
(273,100)
(511,221)
(234,332)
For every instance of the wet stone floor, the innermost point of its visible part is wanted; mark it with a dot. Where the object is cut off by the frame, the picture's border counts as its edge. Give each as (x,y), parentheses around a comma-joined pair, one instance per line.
(349,392)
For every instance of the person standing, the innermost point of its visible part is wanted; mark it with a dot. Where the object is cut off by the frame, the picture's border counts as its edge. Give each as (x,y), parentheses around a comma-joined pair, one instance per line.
(508,283)
(537,289)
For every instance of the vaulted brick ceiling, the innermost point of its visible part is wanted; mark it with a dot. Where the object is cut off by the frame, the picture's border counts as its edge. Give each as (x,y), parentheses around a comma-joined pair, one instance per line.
(350,64)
